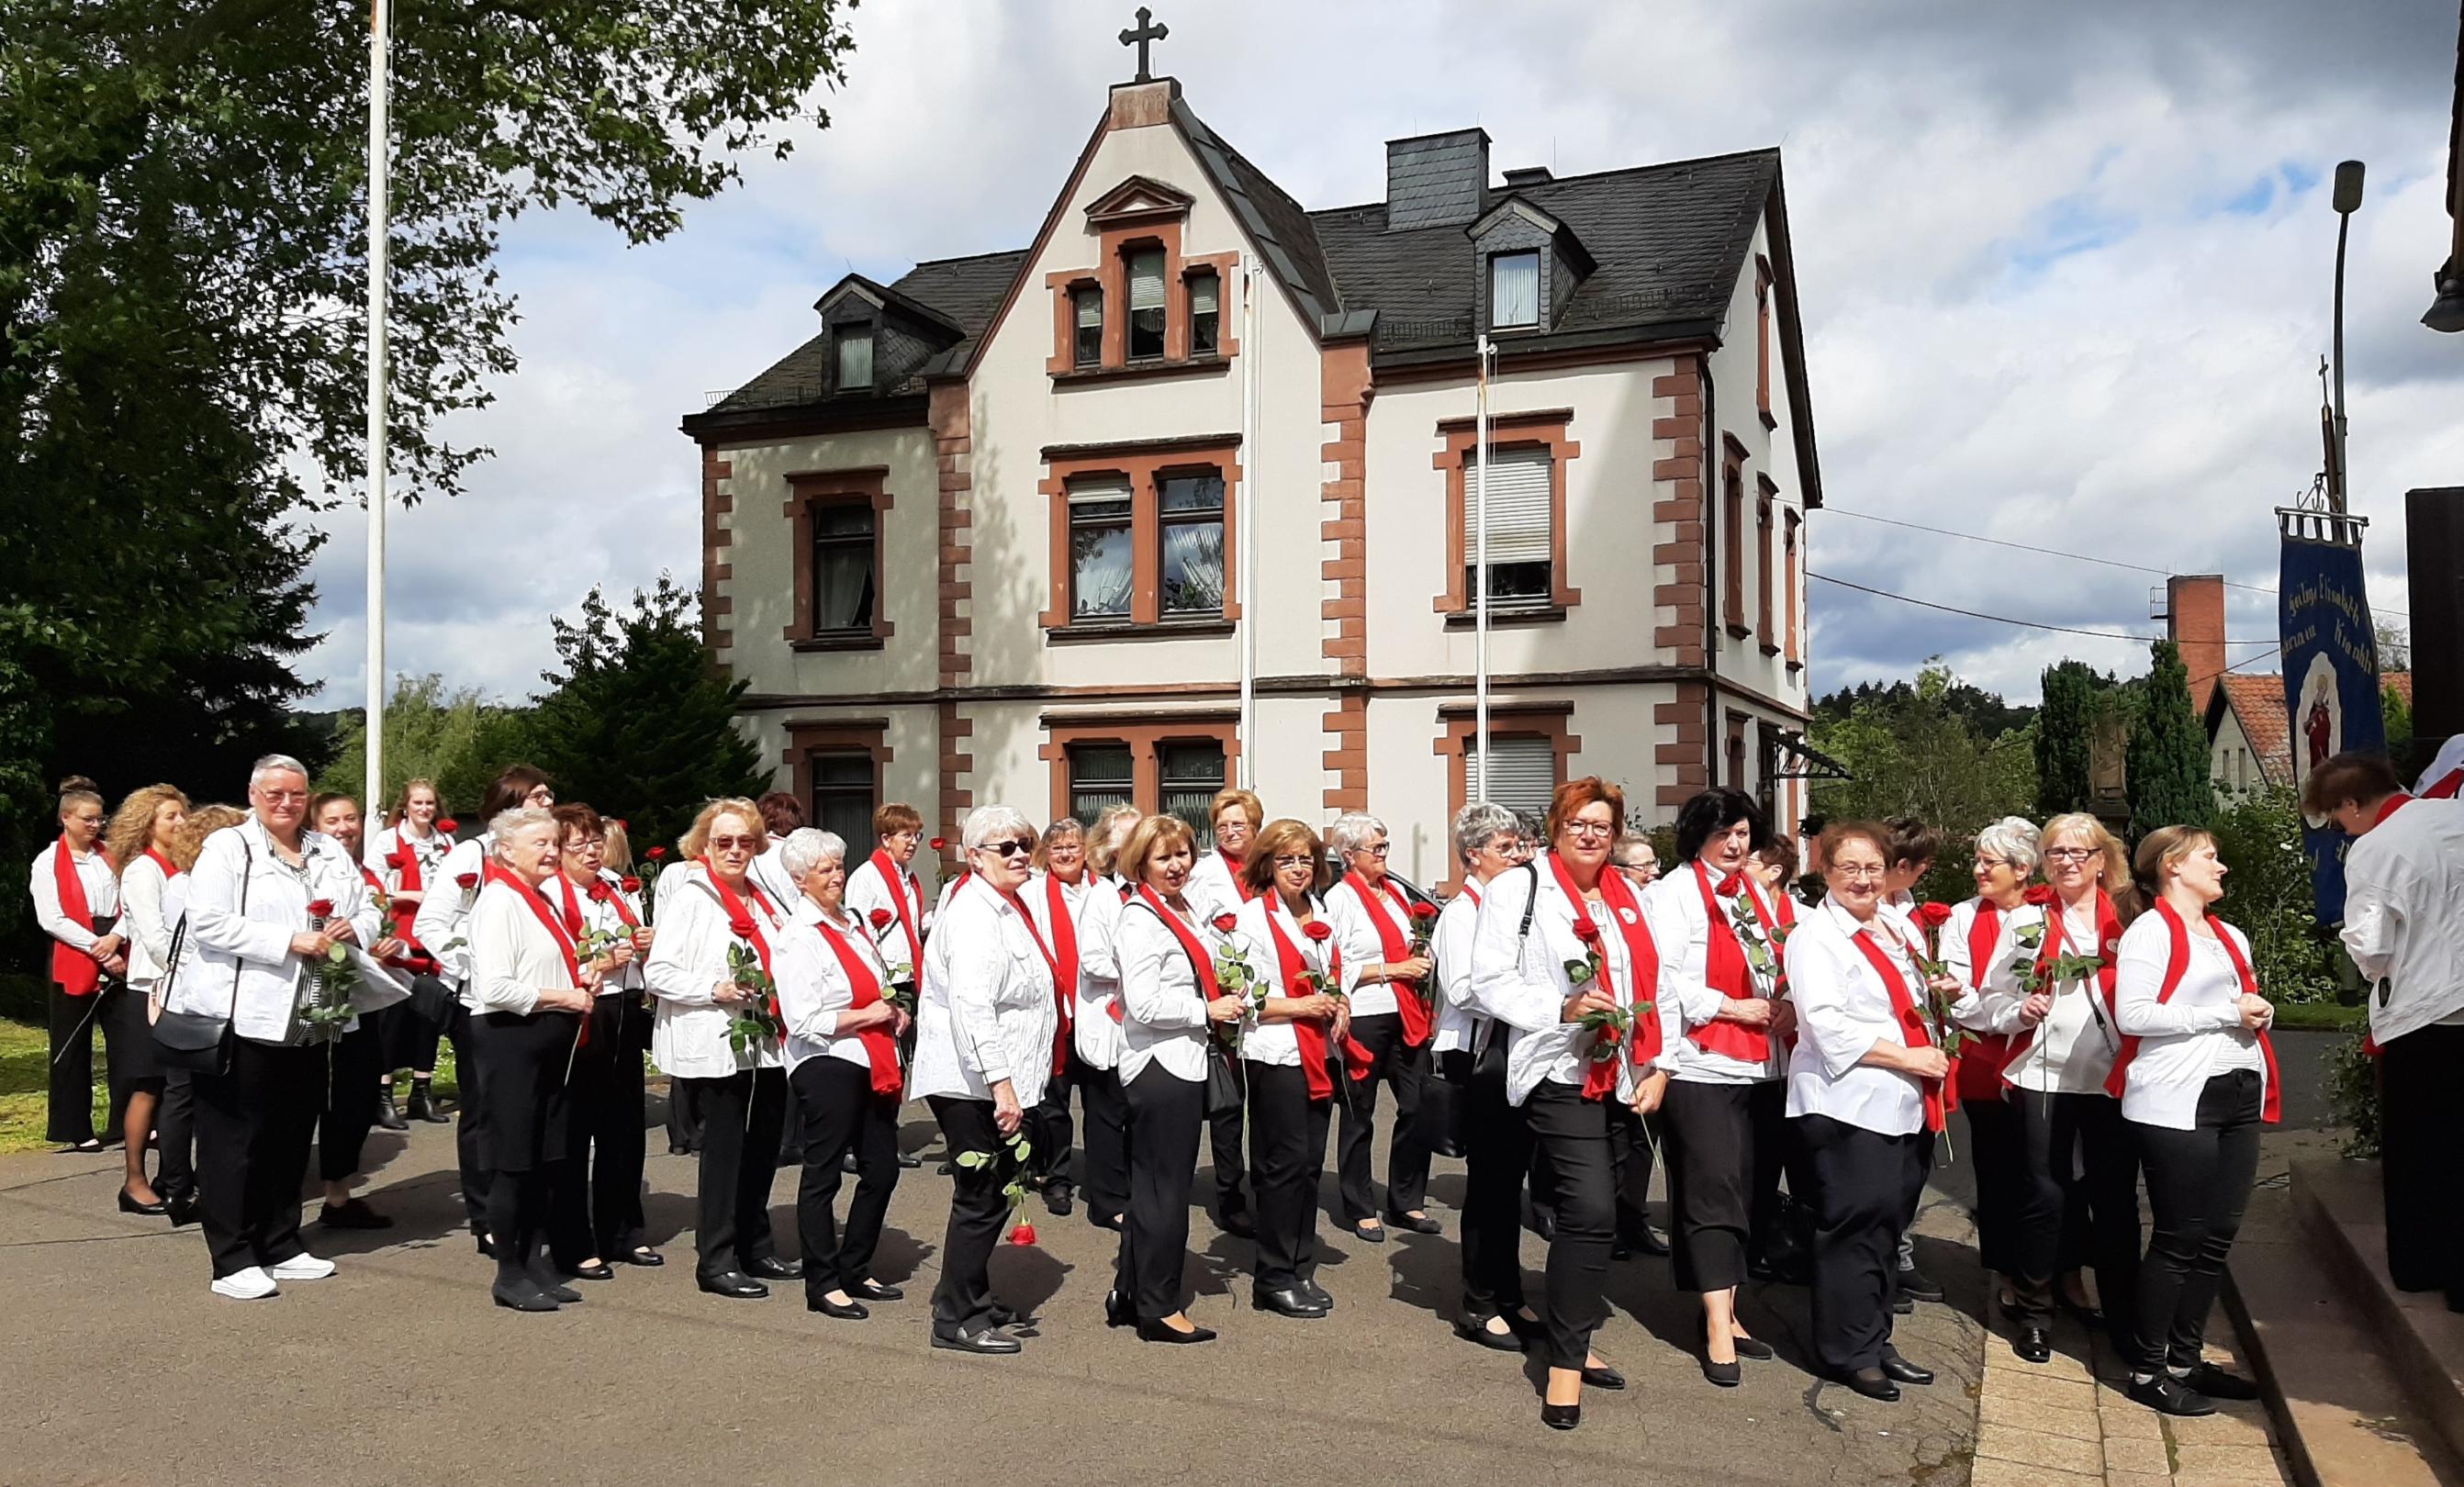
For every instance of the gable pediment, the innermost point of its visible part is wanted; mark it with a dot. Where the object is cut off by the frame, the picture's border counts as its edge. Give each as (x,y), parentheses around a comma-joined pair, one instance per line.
(1136,198)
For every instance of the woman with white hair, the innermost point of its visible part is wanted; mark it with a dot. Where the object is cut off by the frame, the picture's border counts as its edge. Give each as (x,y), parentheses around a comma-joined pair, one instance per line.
(712,919)
(1393,1018)
(983,1048)
(1485,838)
(843,1070)
(1076,914)
(268,899)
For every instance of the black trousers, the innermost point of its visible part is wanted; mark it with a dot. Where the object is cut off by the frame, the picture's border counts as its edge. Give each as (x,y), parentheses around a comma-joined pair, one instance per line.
(1572,1133)
(596,1204)
(73,1021)
(739,1154)
(2198,1184)
(471,1124)
(1051,1132)
(840,1114)
(2421,1161)
(350,1103)
(684,1116)
(1497,1153)
(1710,1130)
(254,1125)
(1286,1165)
(1767,1107)
(1106,1179)
(529,1134)
(1866,1191)
(409,1040)
(1402,1067)
(1165,1113)
(175,1134)
(1631,1140)
(1997,1154)
(962,1301)
(2078,1198)
(1223,1136)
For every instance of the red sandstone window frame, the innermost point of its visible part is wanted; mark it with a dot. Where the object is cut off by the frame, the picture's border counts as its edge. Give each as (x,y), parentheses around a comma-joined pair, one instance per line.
(1459,722)
(1109,277)
(1145,468)
(1732,537)
(1766,502)
(1457,438)
(1144,735)
(807,737)
(808,491)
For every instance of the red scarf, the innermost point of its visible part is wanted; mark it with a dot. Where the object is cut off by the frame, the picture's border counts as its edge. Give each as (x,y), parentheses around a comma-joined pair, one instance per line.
(1232,866)
(1784,904)
(1289,967)
(2446,789)
(74,969)
(1065,944)
(1912,1024)
(1724,970)
(1060,997)
(170,872)
(1391,946)
(1198,960)
(530,896)
(405,863)
(572,904)
(2177,964)
(740,920)
(1985,1054)
(2392,804)
(2108,941)
(1643,971)
(895,878)
(880,1049)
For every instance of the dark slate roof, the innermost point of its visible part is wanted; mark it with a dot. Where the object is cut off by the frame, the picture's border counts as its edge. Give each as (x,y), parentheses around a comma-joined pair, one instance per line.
(1284,234)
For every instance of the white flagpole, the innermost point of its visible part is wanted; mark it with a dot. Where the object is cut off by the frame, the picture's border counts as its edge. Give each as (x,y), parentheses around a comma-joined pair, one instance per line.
(1245,526)
(1480,572)
(378,25)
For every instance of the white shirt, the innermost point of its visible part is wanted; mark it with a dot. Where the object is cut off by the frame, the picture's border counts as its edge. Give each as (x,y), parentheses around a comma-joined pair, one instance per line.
(444,904)
(985,1013)
(1279,1042)
(513,958)
(236,961)
(1211,888)
(2449,761)
(101,896)
(150,932)
(687,961)
(811,1000)
(429,851)
(2196,1034)
(601,914)
(1357,934)
(2404,916)
(2072,1051)
(867,890)
(1999,997)
(1844,1009)
(1450,944)
(1094,906)
(1688,1000)
(1163,1006)
(1519,979)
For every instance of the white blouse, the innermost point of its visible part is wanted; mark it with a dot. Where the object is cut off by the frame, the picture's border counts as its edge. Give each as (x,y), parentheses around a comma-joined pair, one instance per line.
(985,1012)
(811,1000)
(1450,944)
(1520,980)
(429,851)
(513,958)
(101,897)
(1211,888)
(2187,1038)
(688,962)
(1094,906)
(1842,1010)
(2071,1051)
(1164,1008)
(236,960)
(444,904)
(1357,934)
(1688,1000)
(601,914)
(1279,1042)
(150,932)
(867,890)
(2000,994)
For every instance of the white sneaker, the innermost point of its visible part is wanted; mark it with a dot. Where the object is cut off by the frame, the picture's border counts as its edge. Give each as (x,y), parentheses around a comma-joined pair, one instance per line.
(251,1285)
(302,1266)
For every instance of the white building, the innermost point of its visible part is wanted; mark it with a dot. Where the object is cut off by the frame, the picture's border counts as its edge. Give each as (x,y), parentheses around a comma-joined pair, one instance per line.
(1002,530)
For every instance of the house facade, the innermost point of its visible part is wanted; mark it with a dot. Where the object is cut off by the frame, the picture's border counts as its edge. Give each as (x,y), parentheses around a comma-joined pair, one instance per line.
(1180,494)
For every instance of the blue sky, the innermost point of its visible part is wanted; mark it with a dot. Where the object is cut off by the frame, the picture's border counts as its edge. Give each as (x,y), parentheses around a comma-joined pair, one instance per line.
(2065,275)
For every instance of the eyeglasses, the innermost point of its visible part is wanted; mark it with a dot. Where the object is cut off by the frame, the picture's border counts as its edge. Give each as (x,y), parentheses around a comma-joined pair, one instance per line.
(1379,850)
(277,795)
(1843,870)
(1296,860)
(1590,828)
(723,843)
(539,795)
(2069,854)
(1023,846)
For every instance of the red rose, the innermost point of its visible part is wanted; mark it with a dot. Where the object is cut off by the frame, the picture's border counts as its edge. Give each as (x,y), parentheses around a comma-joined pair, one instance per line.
(1424,911)
(1585,931)
(1318,930)
(655,853)
(598,890)
(319,908)
(1223,922)
(937,844)
(1023,1234)
(448,824)
(1727,886)
(631,885)
(2040,894)
(1933,916)
(467,879)
(742,927)
(881,918)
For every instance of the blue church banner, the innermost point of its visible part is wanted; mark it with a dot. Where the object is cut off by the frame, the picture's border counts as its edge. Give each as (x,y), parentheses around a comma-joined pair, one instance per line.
(2331,671)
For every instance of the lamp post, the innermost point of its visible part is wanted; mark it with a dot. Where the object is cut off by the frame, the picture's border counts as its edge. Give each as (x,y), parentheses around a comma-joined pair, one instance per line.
(2347,199)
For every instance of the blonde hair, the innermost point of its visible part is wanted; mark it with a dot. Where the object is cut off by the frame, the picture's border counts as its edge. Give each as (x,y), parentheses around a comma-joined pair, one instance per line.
(1112,828)
(696,837)
(203,822)
(2161,849)
(2114,863)
(618,854)
(1150,838)
(132,826)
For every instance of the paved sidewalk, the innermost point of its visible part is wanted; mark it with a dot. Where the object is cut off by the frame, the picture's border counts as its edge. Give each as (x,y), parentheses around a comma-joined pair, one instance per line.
(2067,1423)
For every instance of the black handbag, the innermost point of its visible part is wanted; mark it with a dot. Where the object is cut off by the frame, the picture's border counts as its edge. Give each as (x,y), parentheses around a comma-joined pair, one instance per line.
(197,1042)
(1439,1125)
(1224,1082)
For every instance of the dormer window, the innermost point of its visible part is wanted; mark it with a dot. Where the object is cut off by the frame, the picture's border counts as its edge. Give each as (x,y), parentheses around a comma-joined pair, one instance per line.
(855,359)
(1205,314)
(1514,291)
(1146,303)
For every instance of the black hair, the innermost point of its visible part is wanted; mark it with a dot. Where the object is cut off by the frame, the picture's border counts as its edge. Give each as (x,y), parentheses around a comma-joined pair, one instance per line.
(1717,809)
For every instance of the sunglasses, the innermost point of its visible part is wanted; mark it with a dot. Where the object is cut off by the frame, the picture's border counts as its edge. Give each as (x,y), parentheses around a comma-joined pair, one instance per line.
(1019,847)
(723,843)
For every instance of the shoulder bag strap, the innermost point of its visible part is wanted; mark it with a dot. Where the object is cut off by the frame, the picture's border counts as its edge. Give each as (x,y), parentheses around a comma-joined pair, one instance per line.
(248,870)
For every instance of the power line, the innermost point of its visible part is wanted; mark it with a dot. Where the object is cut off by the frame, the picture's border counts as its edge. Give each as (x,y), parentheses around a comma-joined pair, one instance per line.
(2033,625)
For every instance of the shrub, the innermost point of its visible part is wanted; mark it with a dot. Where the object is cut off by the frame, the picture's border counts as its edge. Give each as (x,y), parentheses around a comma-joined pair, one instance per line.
(2267,896)
(2353,1094)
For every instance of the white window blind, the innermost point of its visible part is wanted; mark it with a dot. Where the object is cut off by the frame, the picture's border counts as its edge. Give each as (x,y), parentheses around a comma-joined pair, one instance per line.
(1146,279)
(1090,307)
(1522,772)
(1086,490)
(1203,293)
(1517,503)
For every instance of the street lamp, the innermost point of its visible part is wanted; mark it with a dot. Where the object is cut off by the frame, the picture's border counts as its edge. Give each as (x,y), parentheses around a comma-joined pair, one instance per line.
(2347,199)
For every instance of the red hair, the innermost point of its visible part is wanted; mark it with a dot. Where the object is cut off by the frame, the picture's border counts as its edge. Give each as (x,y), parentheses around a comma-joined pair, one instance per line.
(1575,794)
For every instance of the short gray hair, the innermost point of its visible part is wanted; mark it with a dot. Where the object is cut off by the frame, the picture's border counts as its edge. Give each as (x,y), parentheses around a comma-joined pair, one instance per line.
(1352,832)
(986,821)
(274,764)
(2014,839)
(807,848)
(1624,852)
(504,823)
(1479,821)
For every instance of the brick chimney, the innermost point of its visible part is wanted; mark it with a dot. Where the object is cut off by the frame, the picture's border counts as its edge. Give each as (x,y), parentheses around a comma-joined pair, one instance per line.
(2194,620)
(1436,179)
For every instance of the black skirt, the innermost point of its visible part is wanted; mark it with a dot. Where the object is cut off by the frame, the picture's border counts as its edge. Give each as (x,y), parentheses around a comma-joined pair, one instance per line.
(529,1114)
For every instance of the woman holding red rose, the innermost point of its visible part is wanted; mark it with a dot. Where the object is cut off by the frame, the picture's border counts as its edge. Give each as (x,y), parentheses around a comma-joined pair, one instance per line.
(1292,1050)
(1564,962)
(1393,1018)
(408,856)
(598,1207)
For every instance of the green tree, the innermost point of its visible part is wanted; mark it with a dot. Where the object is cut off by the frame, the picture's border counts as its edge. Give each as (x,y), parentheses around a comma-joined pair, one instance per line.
(639,724)
(2170,781)
(2267,897)
(2075,700)
(1909,752)
(457,739)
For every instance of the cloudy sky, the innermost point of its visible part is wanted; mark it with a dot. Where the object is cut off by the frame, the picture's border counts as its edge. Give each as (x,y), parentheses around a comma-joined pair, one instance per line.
(2066,272)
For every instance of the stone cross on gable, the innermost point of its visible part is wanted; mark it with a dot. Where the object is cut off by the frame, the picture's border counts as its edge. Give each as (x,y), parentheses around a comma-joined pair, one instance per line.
(1144,33)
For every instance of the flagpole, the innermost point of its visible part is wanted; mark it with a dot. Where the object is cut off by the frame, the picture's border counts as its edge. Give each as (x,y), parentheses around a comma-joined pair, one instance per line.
(1245,558)
(1480,572)
(378,25)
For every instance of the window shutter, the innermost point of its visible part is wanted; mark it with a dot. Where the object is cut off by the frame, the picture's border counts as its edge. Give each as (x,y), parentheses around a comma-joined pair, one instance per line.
(1522,772)
(1518,507)
(1096,489)
(1203,293)
(1146,280)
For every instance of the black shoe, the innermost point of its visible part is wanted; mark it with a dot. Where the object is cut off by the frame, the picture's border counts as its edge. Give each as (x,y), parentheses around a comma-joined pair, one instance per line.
(1118,1313)
(735,1285)
(1509,1341)
(153,1210)
(603,1271)
(1112,1221)
(1545,1225)
(2217,1384)
(424,1107)
(181,1208)
(770,1267)
(875,1291)
(1915,1283)
(1238,1225)
(487,1246)
(1602,1377)
(679,1148)
(1410,1225)
(987,1341)
(1371,1230)
(1157,1332)
(1320,1294)
(1291,1301)
(1561,1417)
(1056,1200)
(523,1297)
(2092,1316)
(1754,1350)
(852,1311)
(561,1295)
(847,1162)
(2166,1394)
(1870,1383)
(1727,1375)
(1900,1371)
(2033,1344)
(352,1214)
(945,1169)
(646,1257)
(1904,1304)
(910,1162)
(1651,1241)
(389,1114)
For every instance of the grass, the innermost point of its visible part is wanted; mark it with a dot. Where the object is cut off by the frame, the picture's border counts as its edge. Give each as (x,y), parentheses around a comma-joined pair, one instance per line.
(2321,1017)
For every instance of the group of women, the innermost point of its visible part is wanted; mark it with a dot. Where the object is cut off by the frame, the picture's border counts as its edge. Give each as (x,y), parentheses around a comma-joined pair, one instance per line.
(1578,1006)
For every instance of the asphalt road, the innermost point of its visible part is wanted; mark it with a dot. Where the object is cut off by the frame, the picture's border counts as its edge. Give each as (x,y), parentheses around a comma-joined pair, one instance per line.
(124,1368)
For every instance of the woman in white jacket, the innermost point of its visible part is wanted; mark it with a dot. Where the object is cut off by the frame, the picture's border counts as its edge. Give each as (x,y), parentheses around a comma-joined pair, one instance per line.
(1095,1027)
(708,905)
(250,942)
(1075,911)
(983,1048)
(140,840)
